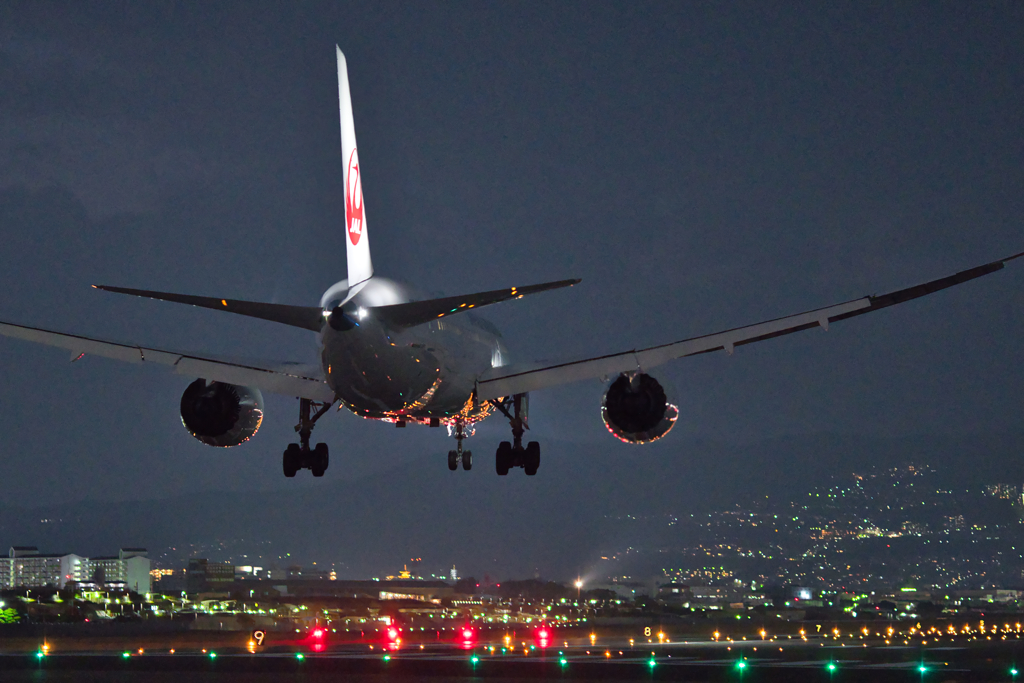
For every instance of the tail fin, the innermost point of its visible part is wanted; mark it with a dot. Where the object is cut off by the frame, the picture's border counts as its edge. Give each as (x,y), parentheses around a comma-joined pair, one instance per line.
(357,245)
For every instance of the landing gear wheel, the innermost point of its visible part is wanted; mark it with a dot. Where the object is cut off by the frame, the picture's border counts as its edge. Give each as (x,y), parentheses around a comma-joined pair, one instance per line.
(453,460)
(292,459)
(467,460)
(299,456)
(503,458)
(531,459)
(318,460)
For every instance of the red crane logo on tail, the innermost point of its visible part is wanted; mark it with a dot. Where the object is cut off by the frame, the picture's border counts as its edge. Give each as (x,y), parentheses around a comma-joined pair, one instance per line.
(354,200)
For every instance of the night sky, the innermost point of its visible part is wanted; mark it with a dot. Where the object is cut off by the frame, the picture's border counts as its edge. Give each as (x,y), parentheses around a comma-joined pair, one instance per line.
(699,165)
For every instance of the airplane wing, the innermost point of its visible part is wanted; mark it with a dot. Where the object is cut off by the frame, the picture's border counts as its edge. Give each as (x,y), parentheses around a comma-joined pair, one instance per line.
(507,381)
(289,379)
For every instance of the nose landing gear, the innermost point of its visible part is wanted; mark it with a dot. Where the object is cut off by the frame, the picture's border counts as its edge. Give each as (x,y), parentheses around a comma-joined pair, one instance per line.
(299,456)
(458,454)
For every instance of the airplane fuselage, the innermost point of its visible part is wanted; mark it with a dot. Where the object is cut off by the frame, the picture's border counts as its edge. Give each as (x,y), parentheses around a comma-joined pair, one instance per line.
(412,374)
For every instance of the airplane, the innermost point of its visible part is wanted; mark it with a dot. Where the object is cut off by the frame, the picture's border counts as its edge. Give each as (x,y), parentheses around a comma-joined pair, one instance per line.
(387,355)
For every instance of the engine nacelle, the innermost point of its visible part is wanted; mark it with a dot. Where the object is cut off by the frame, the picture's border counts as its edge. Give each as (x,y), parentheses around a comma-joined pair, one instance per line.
(220,414)
(636,410)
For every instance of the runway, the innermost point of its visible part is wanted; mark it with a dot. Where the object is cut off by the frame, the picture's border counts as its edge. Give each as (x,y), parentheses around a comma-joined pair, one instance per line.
(499,659)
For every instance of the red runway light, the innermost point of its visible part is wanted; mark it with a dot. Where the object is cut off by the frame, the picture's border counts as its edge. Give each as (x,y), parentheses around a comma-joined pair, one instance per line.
(393,633)
(318,633)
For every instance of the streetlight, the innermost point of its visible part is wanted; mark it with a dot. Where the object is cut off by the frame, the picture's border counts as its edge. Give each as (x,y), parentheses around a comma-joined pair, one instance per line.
(579,585)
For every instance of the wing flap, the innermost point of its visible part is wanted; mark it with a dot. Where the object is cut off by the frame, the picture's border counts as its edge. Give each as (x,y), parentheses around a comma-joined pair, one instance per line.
(507,381)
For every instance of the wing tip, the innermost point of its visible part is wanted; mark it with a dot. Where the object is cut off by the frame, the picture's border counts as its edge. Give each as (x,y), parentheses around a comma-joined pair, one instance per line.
(1011,258)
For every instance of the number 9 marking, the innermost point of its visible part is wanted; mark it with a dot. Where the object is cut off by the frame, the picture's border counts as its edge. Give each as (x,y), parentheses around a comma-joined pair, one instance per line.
(259,636)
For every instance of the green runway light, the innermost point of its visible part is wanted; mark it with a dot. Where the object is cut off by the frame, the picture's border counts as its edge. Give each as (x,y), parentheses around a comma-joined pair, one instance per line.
(387,658)
(651,663)
(299,656)
(40,654)
(922,668)
(831,666)
(1013,672)
(213,655)
(741,665)
(563,661)
(126,655)
(474,659)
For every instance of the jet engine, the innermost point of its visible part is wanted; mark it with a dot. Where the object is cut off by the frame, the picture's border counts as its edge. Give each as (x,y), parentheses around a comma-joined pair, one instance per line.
(636,410)
(221,414)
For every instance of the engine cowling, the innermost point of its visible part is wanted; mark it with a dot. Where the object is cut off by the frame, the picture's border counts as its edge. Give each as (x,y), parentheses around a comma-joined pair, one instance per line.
(636,410)
(220,414)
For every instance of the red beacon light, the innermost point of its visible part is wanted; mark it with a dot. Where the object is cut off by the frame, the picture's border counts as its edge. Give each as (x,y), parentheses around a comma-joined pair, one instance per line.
(467,633)
(543,636)
(393,633)
(317,635)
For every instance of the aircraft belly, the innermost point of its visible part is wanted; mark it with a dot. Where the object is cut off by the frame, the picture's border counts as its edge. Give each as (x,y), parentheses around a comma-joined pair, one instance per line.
(415,375)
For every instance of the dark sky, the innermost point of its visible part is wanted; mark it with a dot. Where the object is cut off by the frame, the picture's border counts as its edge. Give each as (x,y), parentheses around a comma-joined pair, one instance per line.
(699,165)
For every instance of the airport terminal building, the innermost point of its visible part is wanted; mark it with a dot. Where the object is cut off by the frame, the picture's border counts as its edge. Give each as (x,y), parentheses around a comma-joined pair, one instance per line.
(26,567)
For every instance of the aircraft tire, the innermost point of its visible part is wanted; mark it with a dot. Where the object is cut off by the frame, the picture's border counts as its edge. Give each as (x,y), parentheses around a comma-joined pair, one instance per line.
(467,460)
(290,461)
(531,458)
(453,460)
(319,459)
(503,458)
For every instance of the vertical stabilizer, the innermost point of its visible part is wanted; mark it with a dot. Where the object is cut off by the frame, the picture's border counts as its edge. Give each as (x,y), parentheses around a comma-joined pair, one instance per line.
(357,243)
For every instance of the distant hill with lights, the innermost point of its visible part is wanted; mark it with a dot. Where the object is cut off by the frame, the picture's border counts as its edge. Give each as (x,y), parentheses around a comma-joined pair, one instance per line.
(563,523)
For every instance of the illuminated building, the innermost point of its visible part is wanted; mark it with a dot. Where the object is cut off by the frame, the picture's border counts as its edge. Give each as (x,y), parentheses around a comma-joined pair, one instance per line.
(26,567)
(130,567)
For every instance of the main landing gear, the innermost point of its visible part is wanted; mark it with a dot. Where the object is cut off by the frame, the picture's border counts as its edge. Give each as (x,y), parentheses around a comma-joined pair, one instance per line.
(299,456)
(513,454)
(458,454)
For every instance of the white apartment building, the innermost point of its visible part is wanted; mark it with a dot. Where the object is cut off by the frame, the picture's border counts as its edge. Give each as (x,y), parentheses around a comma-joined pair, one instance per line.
(26,567)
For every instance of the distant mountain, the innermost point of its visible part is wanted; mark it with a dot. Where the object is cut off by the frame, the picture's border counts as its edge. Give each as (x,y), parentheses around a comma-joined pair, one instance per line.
(553,524)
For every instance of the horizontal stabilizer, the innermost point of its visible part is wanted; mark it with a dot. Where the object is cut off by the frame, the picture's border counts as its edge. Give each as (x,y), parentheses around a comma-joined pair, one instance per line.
(306,317)
(419,312)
